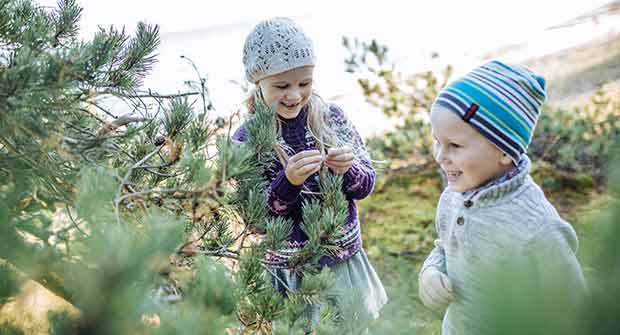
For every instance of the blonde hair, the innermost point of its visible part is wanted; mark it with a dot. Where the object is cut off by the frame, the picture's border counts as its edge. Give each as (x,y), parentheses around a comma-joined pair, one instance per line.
(325,137)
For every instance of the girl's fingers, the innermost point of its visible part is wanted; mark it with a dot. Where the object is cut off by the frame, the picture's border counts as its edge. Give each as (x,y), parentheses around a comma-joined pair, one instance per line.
(338,151)
(308,169)
(303,154)
(308,160)
(338,164)
(341,157)
(316,169)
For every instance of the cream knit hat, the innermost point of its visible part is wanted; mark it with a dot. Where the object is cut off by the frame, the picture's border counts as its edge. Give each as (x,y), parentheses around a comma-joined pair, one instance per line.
(274,46)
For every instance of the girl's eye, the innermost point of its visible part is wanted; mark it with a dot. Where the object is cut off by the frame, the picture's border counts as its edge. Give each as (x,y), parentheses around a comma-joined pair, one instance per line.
(281,86)
(454,145)
(304,84)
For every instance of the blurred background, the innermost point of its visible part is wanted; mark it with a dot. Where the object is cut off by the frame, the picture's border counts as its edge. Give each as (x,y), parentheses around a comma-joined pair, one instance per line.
(557,38)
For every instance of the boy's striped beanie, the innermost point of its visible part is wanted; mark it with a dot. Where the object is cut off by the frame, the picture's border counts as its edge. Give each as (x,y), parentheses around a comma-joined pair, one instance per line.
(500,101)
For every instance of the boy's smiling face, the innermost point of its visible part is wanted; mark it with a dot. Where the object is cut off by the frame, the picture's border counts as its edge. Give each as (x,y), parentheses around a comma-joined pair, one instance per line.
(468,158)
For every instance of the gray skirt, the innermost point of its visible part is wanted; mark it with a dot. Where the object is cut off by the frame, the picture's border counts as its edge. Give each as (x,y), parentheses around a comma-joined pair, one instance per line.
(356,286)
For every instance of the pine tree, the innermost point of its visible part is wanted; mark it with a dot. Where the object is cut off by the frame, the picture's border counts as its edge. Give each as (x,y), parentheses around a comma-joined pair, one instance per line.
(123,215)
(260,304)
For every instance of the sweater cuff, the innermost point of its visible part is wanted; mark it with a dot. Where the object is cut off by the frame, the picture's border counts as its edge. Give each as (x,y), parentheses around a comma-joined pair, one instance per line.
(353,179)
(283,188)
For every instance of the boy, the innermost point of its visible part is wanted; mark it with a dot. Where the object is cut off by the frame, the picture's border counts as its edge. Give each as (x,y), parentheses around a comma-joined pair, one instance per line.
(482,124)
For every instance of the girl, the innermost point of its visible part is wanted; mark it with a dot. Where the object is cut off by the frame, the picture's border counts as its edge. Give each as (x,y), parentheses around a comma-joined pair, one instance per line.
(279,59)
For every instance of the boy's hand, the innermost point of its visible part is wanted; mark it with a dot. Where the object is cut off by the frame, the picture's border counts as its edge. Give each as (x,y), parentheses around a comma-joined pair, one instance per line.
(435,289)
(302,165)
(340,159)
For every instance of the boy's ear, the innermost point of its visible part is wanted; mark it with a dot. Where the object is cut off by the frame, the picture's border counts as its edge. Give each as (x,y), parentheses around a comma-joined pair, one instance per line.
(505,160)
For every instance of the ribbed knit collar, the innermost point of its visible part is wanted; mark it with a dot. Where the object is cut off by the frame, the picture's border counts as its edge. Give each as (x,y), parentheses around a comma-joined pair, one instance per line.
(498,188)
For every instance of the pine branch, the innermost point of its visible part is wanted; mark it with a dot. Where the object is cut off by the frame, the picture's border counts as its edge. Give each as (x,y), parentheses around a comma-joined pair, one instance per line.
(138,58)
(125,180)
(66,19)
(177,116)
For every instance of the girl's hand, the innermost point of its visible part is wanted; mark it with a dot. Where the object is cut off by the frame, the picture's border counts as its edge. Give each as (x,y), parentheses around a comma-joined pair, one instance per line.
(435,289)
(340,159)
(302,165)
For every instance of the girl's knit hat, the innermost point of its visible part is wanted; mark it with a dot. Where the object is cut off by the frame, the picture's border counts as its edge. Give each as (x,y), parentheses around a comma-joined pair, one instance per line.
(500,101)
(274,46)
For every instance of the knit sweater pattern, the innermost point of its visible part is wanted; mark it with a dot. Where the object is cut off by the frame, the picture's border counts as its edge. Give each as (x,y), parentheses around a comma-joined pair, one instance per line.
(286,200)
(476,228)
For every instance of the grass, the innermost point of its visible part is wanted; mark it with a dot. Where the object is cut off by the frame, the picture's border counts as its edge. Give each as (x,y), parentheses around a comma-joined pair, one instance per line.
(398,219)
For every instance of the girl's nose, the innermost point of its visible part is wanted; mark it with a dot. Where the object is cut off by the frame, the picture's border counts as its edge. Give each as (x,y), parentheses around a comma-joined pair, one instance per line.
(293,95)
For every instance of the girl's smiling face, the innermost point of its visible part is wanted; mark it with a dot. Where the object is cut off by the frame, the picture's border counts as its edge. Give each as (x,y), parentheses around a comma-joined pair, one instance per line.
(288,91)
(468,158)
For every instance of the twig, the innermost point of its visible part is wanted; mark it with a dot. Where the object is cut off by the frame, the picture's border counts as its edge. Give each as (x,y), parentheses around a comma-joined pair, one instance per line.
(141,193)
(121,121)
(206,231)
(101,109)
(75,223)
(93,115)
(150,94)
(167,175)
(277,278)
(204,91)
(126,180)
(156,166)
(219,253)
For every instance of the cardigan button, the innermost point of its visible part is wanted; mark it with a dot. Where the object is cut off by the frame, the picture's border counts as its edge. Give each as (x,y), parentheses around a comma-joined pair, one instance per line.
(468,203)
(460,220)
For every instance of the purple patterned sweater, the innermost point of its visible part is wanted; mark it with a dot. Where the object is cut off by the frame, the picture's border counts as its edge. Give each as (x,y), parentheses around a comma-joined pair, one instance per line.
(286,199)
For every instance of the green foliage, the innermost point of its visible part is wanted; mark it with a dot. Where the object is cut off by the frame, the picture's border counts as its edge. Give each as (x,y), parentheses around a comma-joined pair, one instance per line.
(601,309)
(570,146)
(263,132)
(177,117)
(107,210)
(399,218)
(407,97)
(198,171)
(61,323)
(260,304)
(278,230)
(10,281)
(557,306)
(96,194)
(578,141)
(322,221)
(212,286)
(9,329)
(93,202)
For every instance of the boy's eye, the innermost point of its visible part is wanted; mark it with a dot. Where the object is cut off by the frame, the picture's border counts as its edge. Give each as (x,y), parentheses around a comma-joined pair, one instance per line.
(281,86)
(454,145)
(304,84)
